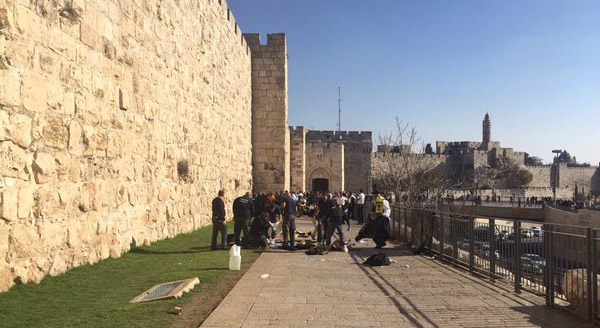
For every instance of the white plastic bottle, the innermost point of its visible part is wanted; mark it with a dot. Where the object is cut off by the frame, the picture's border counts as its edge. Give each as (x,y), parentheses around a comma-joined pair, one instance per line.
(235,258)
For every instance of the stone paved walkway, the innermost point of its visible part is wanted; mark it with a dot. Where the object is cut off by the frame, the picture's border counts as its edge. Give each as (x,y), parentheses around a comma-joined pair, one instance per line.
(334,291)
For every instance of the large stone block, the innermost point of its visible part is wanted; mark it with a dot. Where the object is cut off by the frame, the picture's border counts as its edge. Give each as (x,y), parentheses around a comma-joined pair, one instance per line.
(5,128)
(44,167)
(10,88)
(75,138)
(10,201)
(13,161)
(55,133)
(34,93)
(88,197)
(21,130)
(26,202)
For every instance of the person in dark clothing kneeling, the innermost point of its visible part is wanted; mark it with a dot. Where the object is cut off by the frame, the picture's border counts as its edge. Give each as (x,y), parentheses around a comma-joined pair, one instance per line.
(258,235)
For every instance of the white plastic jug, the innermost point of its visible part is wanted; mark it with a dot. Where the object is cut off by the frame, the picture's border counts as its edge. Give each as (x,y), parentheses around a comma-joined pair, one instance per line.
(235,258)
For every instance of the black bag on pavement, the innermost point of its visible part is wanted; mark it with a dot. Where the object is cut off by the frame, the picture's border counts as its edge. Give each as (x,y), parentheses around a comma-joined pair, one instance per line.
(379,259)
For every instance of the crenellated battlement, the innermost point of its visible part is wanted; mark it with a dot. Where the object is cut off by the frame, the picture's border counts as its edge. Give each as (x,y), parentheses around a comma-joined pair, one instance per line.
(273,40)
(233,25)
(341,136)
(547,166)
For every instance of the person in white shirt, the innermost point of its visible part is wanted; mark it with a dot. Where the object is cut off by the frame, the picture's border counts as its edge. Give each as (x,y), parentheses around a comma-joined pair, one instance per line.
(387,210)
(360,202)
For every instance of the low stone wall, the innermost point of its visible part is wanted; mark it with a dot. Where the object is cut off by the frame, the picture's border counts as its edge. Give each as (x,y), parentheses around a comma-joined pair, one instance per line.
(119,121)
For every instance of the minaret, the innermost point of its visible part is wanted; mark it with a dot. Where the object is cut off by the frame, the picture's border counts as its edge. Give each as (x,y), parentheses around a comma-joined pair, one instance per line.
(487,131)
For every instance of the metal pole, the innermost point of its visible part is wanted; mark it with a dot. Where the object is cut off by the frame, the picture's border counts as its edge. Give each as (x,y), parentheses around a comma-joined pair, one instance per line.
(471,222)
(492,244)
(590,270)
(339,109)
(517,254)
(454,241)
(442,241)
(548,266)
(550,261)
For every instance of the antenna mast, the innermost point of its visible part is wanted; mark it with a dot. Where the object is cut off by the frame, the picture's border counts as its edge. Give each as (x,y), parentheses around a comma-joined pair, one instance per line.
(339,125)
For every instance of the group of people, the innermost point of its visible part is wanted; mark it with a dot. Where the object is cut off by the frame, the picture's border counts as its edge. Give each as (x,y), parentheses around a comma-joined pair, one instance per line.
(257,218)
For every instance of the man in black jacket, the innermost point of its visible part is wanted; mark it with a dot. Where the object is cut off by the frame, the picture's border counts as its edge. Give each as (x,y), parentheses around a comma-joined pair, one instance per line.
(243,210)
(218,220)
(337,217)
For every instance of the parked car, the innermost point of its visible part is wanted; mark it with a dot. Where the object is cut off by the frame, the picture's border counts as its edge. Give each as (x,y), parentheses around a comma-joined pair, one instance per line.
(535,258)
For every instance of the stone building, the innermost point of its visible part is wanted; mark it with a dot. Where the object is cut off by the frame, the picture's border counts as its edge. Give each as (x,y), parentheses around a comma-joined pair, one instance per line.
(330,160)
(471,155)
(474,154)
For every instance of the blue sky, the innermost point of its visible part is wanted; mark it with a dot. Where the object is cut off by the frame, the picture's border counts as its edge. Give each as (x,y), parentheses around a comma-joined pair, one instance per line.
(534,65)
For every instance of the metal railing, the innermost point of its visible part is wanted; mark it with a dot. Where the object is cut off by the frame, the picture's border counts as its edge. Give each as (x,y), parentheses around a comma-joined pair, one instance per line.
(551,260)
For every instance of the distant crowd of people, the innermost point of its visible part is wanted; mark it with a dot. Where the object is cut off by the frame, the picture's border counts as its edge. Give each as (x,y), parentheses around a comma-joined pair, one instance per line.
(258,218)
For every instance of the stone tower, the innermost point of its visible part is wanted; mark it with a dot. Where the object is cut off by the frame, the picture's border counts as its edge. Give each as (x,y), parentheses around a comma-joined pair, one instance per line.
(487,131)
(270,132)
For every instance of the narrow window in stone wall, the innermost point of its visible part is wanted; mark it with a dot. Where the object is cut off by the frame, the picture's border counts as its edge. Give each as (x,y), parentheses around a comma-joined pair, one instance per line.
(331,162)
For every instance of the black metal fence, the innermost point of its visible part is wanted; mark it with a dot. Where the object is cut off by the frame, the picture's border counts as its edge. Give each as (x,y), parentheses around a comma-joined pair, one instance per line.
(558,262)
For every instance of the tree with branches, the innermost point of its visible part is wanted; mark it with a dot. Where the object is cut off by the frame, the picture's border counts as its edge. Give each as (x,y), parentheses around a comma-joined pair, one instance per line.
(402,167)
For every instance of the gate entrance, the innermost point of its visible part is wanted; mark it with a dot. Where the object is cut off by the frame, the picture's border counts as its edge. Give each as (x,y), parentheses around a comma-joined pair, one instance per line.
(320,184)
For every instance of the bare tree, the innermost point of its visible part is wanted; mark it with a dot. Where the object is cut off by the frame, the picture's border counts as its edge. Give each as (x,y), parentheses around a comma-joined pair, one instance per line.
(402,167)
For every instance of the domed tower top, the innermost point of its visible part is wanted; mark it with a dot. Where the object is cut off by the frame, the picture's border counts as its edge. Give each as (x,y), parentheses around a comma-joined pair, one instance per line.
(487,130)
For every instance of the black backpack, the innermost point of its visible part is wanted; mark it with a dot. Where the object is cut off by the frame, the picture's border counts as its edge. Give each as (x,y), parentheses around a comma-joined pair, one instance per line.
(314,251)
(379,259)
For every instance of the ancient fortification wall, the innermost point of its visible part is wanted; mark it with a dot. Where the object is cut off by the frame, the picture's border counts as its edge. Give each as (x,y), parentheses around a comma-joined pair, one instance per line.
(270,134)
(119,121)
(357,155)
(298,158)
(570,176)
(542,176)
(325,161)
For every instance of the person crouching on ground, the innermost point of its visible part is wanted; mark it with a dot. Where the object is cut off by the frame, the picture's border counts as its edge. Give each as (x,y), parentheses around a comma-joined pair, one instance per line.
(258,235)
(275,217)
(337,217)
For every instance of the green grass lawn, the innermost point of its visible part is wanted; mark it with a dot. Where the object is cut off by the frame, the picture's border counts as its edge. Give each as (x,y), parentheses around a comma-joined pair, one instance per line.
(99,295)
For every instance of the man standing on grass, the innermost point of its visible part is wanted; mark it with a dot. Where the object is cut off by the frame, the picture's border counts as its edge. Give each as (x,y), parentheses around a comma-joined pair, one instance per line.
(243,210)
(218,220)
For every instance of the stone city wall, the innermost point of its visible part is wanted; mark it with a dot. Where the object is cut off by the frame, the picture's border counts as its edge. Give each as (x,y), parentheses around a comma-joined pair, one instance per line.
(298,158)
(270,133)
(325,161)
(580,176)
(542,176)
(119,121)
(357,155)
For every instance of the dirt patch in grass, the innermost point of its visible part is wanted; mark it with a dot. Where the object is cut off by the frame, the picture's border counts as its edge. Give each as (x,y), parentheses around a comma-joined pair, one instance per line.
(199,306)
